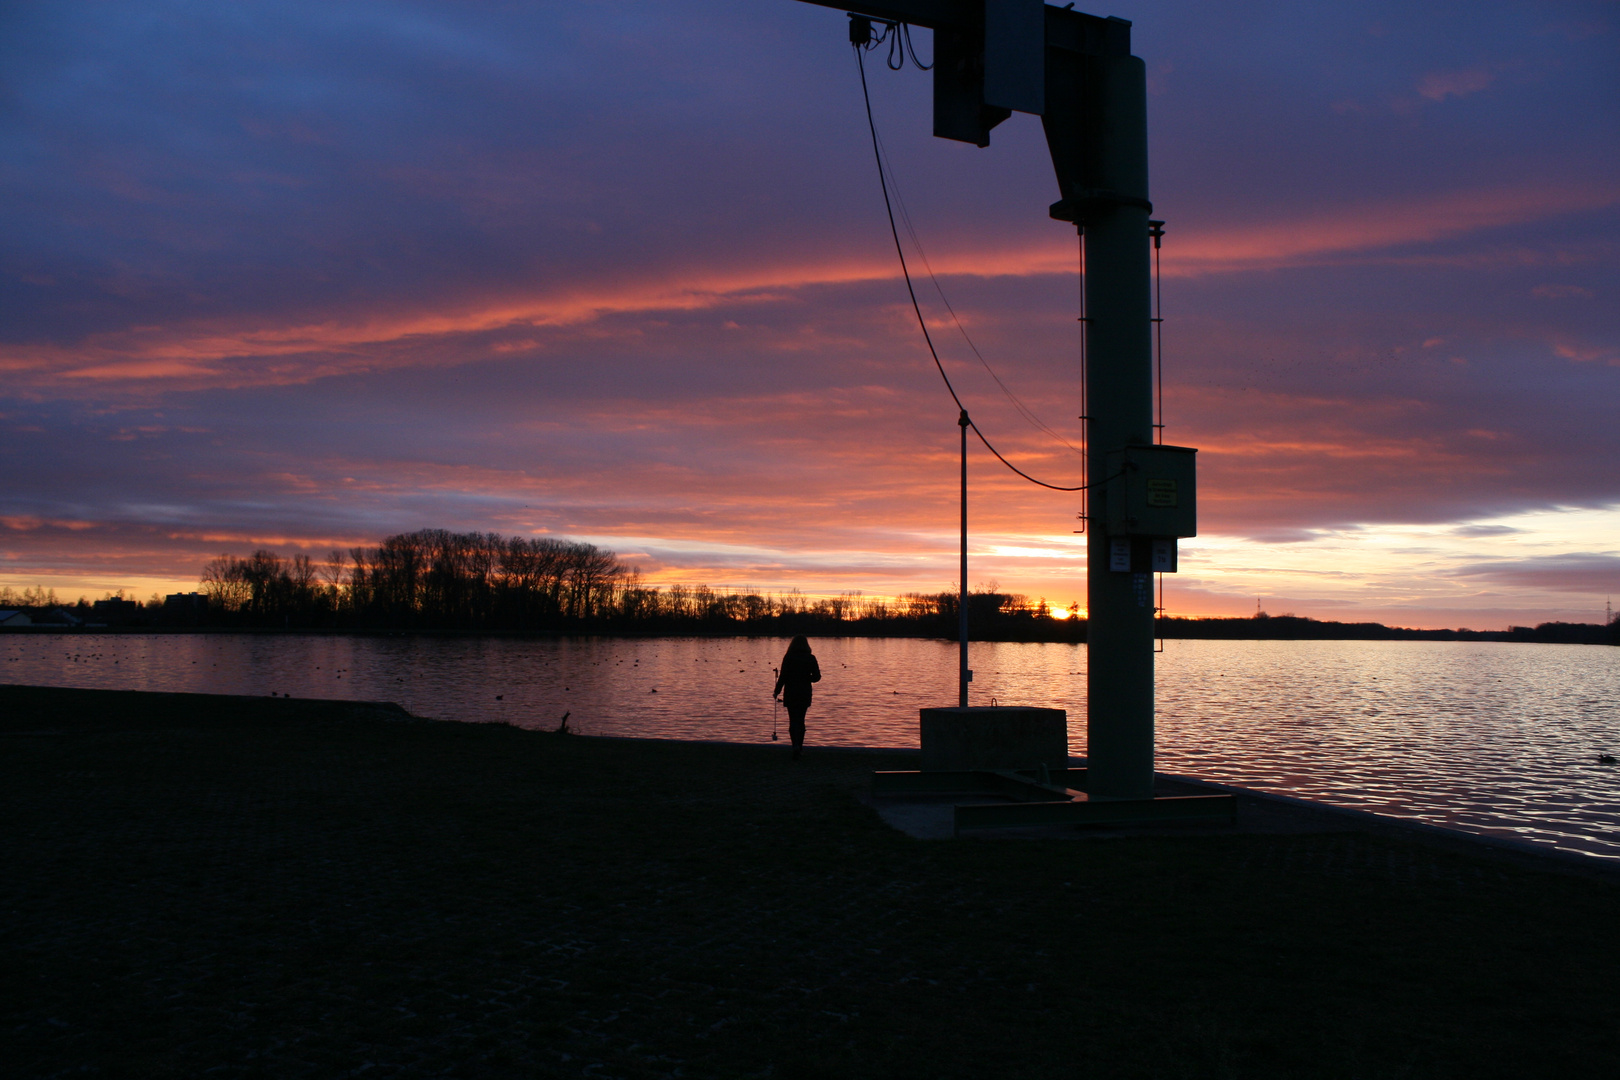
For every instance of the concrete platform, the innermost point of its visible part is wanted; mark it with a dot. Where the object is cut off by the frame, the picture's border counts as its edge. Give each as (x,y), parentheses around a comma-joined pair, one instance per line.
(994,737)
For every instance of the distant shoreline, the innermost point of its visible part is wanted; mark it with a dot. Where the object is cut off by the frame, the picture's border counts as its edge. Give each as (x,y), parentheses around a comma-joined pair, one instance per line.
(1049,631)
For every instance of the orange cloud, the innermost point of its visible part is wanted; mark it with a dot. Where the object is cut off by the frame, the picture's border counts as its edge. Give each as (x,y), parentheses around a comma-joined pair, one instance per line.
(241,353)
(1587,354)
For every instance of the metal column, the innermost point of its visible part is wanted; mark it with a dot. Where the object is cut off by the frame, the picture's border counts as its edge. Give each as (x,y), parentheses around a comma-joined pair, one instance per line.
(1119,392)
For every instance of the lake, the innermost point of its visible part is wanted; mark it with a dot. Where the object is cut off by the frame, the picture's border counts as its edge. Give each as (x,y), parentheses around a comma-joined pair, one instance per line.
(1496,737)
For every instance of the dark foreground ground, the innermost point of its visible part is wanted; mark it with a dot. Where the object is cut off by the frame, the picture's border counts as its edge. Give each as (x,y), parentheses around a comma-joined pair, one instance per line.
(229,887)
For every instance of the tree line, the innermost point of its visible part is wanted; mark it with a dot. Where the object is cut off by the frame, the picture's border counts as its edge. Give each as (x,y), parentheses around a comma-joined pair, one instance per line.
(437,580)
(434,579)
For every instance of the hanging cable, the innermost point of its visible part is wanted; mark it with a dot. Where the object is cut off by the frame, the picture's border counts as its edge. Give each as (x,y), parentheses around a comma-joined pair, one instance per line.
(901,43)
(1156,230)
(1085,378)
(897,35)
(1017,403)
(916,307)
(862,36)
(1158,618)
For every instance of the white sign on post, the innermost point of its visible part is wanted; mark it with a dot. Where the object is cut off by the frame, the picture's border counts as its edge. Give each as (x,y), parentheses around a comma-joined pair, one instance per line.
(1119,554)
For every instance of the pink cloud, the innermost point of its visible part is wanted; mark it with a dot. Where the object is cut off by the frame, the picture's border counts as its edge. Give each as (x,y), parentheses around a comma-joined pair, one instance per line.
(1584,353)
(1439,85)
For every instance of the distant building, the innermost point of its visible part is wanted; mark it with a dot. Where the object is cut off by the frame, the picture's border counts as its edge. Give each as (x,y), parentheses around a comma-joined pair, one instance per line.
(12,617)
(115,611)
(185,608)
(56,617)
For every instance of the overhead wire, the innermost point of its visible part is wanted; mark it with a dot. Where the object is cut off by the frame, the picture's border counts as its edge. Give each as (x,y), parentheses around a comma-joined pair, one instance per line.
(897,35)
(1156,230)
(900,47)
(911,289)
(889,32)
(1085,407)
(1017,403)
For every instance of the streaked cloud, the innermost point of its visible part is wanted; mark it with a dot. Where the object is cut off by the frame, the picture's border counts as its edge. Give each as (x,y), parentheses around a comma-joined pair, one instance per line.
(1561,292)
(1393,228)
(1484,530)
(1585,573)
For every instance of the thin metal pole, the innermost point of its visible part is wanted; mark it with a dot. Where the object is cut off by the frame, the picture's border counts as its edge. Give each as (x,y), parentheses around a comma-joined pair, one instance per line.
(962,601)
(1156,231)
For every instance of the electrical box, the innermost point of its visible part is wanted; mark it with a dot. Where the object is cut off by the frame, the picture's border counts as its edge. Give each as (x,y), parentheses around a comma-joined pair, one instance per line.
(1015,55)
(984,73)
(960,110)
(1152,492)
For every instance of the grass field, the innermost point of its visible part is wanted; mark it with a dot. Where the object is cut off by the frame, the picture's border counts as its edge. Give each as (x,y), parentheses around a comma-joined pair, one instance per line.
(245,887)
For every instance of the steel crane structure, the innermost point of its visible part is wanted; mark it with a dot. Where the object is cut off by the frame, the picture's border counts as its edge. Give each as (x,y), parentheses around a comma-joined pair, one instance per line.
(1076,72)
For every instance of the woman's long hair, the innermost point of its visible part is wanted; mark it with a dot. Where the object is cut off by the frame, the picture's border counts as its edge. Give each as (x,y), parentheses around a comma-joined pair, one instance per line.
(798,645)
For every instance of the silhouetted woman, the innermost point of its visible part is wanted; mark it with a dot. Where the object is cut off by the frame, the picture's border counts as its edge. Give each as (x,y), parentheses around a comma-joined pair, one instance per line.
(799,670)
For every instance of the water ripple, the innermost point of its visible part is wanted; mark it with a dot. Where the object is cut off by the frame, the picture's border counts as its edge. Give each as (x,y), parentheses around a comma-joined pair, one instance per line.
(1493,737)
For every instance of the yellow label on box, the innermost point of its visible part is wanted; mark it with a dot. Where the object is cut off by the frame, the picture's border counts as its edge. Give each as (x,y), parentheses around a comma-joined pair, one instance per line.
(1161,493)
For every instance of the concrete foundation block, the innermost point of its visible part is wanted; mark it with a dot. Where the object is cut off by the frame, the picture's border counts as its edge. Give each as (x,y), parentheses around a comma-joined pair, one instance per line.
(994,737)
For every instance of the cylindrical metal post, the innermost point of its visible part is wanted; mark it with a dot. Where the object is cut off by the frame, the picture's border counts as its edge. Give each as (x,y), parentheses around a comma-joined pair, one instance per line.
(1119,392)
(962,599)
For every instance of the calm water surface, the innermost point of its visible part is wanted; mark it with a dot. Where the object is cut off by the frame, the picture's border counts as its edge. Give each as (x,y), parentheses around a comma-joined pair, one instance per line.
(1492,736)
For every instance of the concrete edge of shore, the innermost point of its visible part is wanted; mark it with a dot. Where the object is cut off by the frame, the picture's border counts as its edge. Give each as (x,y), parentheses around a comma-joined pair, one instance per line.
(1368,820)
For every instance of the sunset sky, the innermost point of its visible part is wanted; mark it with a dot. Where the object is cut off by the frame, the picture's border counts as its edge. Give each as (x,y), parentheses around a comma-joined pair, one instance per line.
(301,275)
